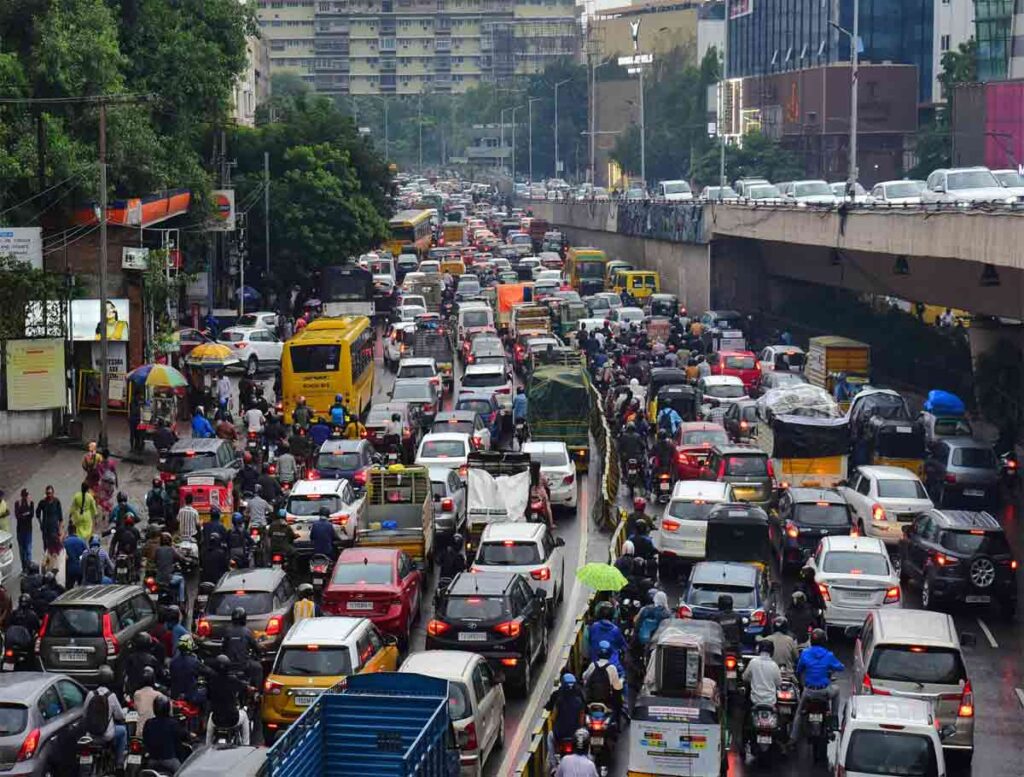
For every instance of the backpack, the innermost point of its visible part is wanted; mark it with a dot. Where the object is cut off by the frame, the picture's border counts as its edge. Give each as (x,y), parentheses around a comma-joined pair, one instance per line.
(92,567)
(665,421)
(97,713)
(648,625)
(599,686)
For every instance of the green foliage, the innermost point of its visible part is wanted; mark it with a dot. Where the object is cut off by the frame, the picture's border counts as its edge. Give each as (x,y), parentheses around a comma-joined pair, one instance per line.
(998,380)
(159,290)
(19,284)
(757,155)
(934,143)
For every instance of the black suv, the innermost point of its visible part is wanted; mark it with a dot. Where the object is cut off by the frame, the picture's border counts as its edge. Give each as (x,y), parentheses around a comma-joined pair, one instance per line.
(497,615)
(959,555)
(807,515)
(192,455)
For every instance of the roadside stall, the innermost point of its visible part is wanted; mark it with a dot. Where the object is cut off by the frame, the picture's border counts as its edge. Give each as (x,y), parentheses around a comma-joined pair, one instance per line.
(158,389)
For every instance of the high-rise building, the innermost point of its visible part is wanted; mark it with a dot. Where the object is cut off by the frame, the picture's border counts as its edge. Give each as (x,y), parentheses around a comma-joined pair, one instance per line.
(999,25)
(416,46)
(954,25)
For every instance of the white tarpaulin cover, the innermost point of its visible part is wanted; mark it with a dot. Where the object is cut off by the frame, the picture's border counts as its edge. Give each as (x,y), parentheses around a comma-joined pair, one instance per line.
(493,499)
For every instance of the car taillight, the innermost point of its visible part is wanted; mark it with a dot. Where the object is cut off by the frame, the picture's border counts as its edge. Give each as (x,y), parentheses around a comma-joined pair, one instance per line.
(468,737)
(1013,564)
(203,628)
(823,590)
(313,474)
(436,628)
(721,469)
(360,477)
(541,574)
(151,585)
(29,746)
(792,530)
(892,595)
(42,631)
(771,469)
(569,479)
(463,470)
(273,626)
(877,513)
(668,524)
(272,688)
(447,505)
(240,345)
(428,408)
(730,662)
(942,560)
(477,443)
(854,531)
(252,435)
(340,520)
(966,702)
(950,477)
(510,629)
(108,636)
(759,617)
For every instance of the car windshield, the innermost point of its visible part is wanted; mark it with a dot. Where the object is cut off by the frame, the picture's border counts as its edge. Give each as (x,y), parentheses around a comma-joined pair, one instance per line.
(253,602)
(970,543)
(459,706)
(764,192)
(554,458)
(907,189)
(338,460)
(475,607)
(851,562)
(705,437)
(13,718)
(953,427)
(443,449)
(592,269)
(901,489)
(725,391)
(359,573)
(740,362)
(476,405)
(508,553)
(971,179)
(416,371)
(821,514)
(75,622)
(690,511)
(232,337)
(974,458)
(381,415)
(184,462)
(813,188)
(415,391)
(719,192)
(310,504)
(314,661)
(249,319)
(706,595)
(1010,178)
(676,187)
(880,752)
(476,318)
(483,379)
(783,379)
(746,466)
(917,664)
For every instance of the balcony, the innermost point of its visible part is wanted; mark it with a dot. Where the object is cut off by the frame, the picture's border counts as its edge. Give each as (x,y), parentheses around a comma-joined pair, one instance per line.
(442,44)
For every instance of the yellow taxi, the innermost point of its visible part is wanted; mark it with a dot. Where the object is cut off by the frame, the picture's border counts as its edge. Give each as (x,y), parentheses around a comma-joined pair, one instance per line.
(316,654)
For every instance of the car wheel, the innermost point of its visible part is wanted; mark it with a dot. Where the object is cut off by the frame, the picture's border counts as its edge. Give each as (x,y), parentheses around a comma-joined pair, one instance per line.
(499,743)
(927,599)
(252,365)
(527,680)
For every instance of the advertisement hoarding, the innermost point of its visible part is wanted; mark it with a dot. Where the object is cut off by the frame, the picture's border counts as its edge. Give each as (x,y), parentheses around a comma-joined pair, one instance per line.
(23,243)
(85,319)
(35,374)
(738,8)
(223,211)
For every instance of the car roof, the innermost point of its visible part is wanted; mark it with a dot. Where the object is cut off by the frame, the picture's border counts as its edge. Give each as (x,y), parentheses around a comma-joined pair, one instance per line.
(257,579)
(417,361)
(891,709)
(318,486)
(198,445)
(446,664)
(483,368)
(482,583)
(700,426)
(707,490)
(325,630)
(916,627)
(97,595)
(733,352)
(966,442)
(721,380)
(476,395)
(544,445)
(729,572)
(739,450)
(369,554)
(342,446)
(21,687)
(882,472)
(461,436)
(513,530)
(439,474)
(966,519)
(455,415)
(245,330)
(844,542)
(830,495)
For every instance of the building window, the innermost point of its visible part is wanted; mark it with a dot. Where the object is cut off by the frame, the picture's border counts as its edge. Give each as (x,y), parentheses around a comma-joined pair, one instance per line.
(944,42)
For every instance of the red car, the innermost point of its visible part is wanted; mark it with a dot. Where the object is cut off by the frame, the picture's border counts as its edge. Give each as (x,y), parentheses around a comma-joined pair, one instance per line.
(739,364)
(694,444)
(382,584)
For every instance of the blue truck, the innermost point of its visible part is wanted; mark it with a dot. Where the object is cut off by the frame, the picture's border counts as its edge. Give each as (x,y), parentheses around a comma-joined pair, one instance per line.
(387,724)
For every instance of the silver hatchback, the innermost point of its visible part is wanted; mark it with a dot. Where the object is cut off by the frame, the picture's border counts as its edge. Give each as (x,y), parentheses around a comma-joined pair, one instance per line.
(962,472)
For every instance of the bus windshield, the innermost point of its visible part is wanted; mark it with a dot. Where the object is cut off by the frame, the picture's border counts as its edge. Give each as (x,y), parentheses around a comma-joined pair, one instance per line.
(346,284)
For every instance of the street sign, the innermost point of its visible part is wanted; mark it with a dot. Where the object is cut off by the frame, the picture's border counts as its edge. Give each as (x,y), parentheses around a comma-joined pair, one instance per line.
(636,59)
(134,258)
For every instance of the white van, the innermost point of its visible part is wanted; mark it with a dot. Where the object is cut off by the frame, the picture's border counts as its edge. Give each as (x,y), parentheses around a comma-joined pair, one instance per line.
(682,530)
(475,316)
(886,735)
(674,191)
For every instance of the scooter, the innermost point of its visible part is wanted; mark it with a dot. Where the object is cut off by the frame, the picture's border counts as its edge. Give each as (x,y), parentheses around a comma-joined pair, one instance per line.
(256,534)
(786,698)
(124,569)
(817,728)
(319,566)
(663,488)
(765,722)
(601,725)
(633,476)
(95,757)
(520,432)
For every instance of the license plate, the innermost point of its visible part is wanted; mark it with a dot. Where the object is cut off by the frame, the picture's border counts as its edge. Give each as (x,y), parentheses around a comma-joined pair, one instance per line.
(8,666)
(815,717)
(85,759)
(134,759)
(73,656)
(665,485)
(473,636)
(974,492)
(131,717)
(360,605)
(597,740)
(977,599)
(858,594)
(730,674)
(318,581)
(304,701)
(764,739)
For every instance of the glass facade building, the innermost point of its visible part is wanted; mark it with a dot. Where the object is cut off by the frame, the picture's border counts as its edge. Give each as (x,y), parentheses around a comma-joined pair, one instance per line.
(776,36)
(993,24)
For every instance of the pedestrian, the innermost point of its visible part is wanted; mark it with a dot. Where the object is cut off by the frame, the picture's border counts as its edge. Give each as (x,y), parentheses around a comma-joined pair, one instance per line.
(223,390)
(74,547)
(50,515)
(90,465)
(188,519)
(84,510)
(5,513)
(24,509)
(108,484)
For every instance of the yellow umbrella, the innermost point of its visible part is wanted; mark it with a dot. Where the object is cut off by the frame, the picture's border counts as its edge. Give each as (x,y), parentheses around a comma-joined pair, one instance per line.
(212,356)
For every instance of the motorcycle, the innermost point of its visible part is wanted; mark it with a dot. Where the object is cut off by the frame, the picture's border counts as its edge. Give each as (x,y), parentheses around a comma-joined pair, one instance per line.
(766,731)
(202,597)
(253,445)
(601,726)
(162,594)
(1009,472)
(319,566)
(188,550)
(633,480)
(133,760)
(124,569)
(732,663)
(520,432)
(663,488)
(95,757)
(535,512)
(256,534)
(786,698)
(817,729)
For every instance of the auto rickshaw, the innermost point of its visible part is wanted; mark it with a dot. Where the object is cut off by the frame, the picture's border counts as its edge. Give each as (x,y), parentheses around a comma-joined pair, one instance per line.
(662,305)
(896,443)
(744,532)
(680,397)
(210,488)
(569,312)
(661,377)
(680,720)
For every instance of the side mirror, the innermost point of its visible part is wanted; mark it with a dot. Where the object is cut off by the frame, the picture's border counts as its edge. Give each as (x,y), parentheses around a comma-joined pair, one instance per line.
(540,594)
(947,731)
(852,632)
(968,638)
(843,482)
(559,542)
(207,588)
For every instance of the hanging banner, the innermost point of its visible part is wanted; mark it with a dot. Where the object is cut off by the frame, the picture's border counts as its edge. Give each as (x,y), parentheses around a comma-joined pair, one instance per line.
(85,319)
(35,374)
(117,357)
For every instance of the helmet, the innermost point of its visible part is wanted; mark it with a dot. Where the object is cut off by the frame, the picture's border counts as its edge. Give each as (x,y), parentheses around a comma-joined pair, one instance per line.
(222,663)
(104,676)
(161,706)
(639,566)
(281,512)
(627,548)
(604,611)
(305,590)
(807,573)
(129,520)
(568,680)
(157,482)
(642,527)
(122,497)
(780,623)
(798,598)
(634,382)
(238,616)
(457,540)
(337,398)
(604,649)
(324,512)
(238,519)
(396,417)
(94,542)
(49,578)
(639,504)
(214,513)
(247,458)
(581,741)
(819,637)
(142,641)
(765,646)
(186,644)
(630,426)
(725,602)
(33,568)
(25,600)
(148,676)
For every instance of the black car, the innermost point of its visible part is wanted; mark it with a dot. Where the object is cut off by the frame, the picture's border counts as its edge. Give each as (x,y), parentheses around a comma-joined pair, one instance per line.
(807,515)
(740,420)
(497,615)
(959,555)
(753,596)
(194,454)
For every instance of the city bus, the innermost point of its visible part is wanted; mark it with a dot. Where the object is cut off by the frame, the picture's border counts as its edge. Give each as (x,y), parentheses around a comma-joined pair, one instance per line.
(331,356)
(585,268)
(410,228)
(347,290)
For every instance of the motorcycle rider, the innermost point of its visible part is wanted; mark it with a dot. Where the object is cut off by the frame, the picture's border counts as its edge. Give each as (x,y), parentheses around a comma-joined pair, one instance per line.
(282,537)
(104,717)
(809,586)
(665,454)
(300,446)
(164,437)
(304,606)
(650,617)
(127,541)
(802,617)
(785,652)
(642,544)
(539,495)
(164,558)
(762,678)
(452,560)
(259,509)
(272,491)
(603,681)
(519,406)
(815,669)
(338,412)
(578,763)
(144,697)
(302,416)
(731,623)
(47,592)
(321,534)
(185,671)
(158,503)
(638,514)
(239,542)
(121,511)
(287,467)
(96,566)
(631,446)
(241,648)
(249,475)
(145,652)
(161,736)
(624,563)
(224,692)
(568,706)
(603,629)
(392,438)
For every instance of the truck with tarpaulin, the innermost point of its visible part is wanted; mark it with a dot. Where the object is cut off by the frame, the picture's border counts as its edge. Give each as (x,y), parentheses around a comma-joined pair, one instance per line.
(559,406)
(388,724)
(508,296)
(802,430)
(399,512)
(497,490)
(833,360)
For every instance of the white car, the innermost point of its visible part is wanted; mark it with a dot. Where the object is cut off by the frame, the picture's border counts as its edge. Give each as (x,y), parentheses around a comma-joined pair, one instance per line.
(396,344)
(1012,180)
(776,357)
(488,377)
(854,575)
(627,315)
(860,194)
(261,319)
(531,263)
(529,549)
(430,267)
(543,274)
(415,300)
(884,500)
(252,346)
(966,186)
(558,469)
(718,194)
(476,702)
(674,191)
(307,497)
(409,312)
(808,192)
(715,393)
(904,192)
(764,192)
(885,735)
(419,367)
(682,530)
(444,449)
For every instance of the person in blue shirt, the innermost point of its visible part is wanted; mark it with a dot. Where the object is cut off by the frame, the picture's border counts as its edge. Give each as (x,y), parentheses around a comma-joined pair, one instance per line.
(321,534)
(669,420)
(185,670)
(604,630)
(815,669)
(338,412)
(319,432)
(519,405)
(201,425)
(74,547)
(121,511)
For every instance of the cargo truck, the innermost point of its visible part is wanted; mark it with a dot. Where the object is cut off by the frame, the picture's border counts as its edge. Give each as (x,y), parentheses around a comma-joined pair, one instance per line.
(559,407)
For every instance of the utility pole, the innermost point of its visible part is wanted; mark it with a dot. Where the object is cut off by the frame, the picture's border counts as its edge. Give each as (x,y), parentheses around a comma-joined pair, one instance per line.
(854,67)
(643,132)
(557,160)
(266,209)
(104,338)
(721,106)
(419,122)
(502,120)
(517,108)
(529,102)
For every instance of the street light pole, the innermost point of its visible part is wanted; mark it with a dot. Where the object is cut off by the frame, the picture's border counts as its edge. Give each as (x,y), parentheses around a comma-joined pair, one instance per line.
(529,102)
(643,132)
(560,83)
(419,123)
(854,36)
(517,108)
(502,141)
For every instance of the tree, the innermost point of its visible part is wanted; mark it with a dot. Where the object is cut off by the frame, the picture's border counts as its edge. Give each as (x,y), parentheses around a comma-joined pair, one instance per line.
(756,155)
(934,144)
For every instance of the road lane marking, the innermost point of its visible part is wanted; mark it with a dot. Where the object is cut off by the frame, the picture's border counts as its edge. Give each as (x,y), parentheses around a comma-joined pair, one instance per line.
(1020,696)
(527,721)
(988,633)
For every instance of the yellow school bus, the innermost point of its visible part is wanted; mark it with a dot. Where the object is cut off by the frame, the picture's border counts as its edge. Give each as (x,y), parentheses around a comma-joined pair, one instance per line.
(410,228)
(331,356)
(639,283)
(585,268)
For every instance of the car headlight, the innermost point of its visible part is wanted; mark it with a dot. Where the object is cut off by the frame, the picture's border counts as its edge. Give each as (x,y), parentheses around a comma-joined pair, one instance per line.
(1010,200)
(801,204)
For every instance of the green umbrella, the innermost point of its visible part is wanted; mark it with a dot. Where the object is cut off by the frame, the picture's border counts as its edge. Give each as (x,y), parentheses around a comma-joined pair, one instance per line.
(601,577)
